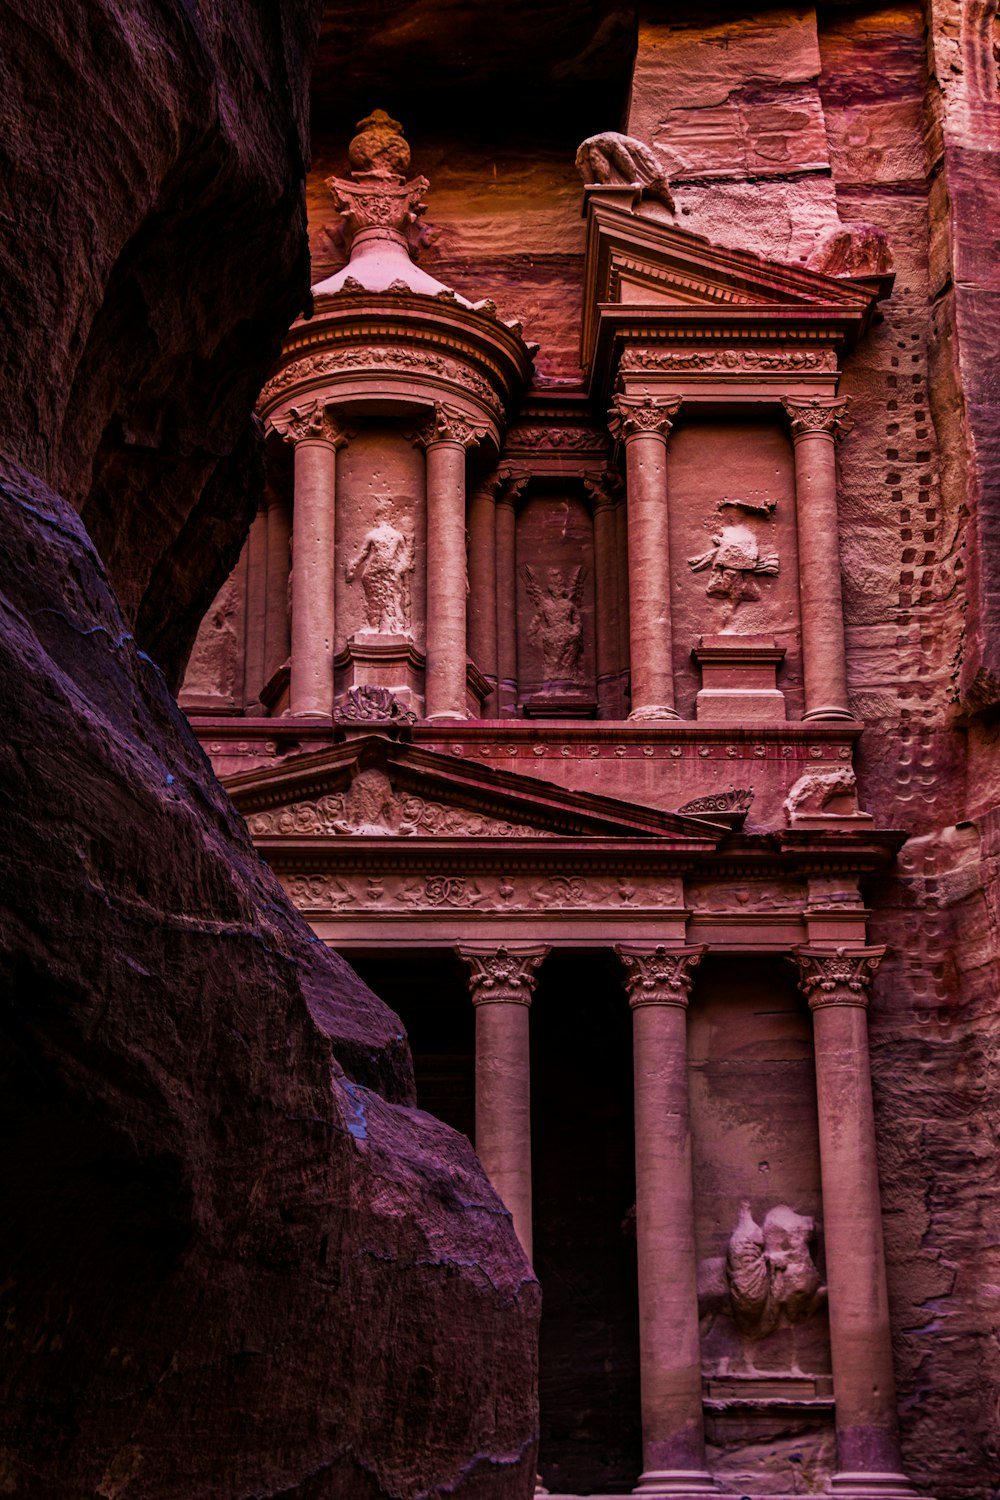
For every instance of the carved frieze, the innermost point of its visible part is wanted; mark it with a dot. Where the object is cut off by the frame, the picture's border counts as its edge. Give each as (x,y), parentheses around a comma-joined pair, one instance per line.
(410,361)
(555,439)
(371,806)
(518,893)
(724,361)
(365,704)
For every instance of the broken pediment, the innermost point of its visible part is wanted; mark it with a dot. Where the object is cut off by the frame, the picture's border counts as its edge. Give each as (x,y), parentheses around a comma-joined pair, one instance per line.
(649,281)
(376,787)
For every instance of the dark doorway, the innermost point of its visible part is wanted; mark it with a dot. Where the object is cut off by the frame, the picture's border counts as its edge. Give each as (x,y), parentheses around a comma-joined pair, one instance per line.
(584,1235)
(429,992)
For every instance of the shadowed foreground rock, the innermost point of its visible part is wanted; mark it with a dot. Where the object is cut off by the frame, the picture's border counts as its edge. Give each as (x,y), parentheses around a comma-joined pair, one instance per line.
(237,1260)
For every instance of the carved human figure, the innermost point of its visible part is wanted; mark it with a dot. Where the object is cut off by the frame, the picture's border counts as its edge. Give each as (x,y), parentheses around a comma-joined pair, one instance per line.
(556,627)
(385,563)
(735,558)
(770,1273)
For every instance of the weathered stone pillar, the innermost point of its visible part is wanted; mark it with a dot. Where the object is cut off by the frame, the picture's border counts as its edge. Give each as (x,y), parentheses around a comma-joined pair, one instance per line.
(502,981)
(482,638)
(645,425)
(603,490)
(256,610)
(836,983)
(446,439)
(506,569)
(815,428)
(278,639)
(673,1432)
(317,435)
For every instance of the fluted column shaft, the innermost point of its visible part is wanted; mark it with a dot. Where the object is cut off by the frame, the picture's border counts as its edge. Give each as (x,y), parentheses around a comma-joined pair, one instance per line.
(502,981)
(317,435)
(836,983)
(645,426)
(446,439)
(483,585)
(673,1434)
(815,428)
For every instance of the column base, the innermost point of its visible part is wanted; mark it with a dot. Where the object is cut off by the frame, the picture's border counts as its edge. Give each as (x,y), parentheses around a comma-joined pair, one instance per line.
(653,711)
(316,715)
(861,1485)
(831,711)
(446,718)
(692,1484)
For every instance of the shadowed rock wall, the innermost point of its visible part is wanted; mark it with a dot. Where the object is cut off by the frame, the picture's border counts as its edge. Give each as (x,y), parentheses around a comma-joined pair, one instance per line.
(237,1261)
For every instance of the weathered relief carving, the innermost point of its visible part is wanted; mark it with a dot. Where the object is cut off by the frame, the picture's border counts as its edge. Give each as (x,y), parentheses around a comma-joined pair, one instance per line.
(736,557)
(816,790)
(770,1274)
(557,439)
(385,563)
(323,891)
(756,360)
(366,703)
(556,628)
(444,890)
(612,159)
(734,800)
(519,893)
(854,249)
(215,658)
(370,806)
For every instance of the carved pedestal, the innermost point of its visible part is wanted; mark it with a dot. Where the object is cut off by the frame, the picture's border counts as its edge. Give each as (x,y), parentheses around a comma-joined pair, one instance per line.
(738,675)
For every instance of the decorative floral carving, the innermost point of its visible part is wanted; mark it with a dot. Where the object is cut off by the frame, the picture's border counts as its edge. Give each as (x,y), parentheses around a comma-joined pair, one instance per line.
(504,975)
(732,801)
(410,360)
(443,890)
(612,160)
(842,976)
(810,417)
(315,422)
(385,563)
(722,360)
(556,628)
(555,439)
(450,426)
(366,703)
(370,806)
(631,415)
(378,196)
(660,975)
(310,891)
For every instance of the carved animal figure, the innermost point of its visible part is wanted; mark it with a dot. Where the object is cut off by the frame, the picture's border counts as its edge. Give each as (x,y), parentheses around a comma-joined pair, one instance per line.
(612,158)
(770,1272)
(816,789)
(385,563)
(556,628)
(734,557)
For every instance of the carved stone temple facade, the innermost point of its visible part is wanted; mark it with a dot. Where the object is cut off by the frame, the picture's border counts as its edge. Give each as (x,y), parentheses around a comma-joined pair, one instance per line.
(534,694)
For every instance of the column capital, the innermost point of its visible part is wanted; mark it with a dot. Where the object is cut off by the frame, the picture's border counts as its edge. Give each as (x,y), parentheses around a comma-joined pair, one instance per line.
(605,488)
(837,976)
(513,483)
(313,422)
(658,975)
(502,975)
(633,416)
(449,425)
(817,418)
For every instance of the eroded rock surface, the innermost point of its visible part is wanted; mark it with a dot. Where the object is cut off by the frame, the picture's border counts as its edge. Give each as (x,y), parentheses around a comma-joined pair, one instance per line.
(237,1260)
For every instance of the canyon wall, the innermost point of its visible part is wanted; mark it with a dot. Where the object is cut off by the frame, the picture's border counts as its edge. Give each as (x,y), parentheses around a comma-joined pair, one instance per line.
(237,1259)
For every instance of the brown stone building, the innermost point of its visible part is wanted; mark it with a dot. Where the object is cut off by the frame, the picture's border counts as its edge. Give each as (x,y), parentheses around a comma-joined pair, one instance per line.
(594,679)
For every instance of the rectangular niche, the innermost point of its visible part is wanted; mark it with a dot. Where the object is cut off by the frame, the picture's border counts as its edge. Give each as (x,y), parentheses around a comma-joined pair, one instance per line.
(765,1339)
(733,543)
(556,648)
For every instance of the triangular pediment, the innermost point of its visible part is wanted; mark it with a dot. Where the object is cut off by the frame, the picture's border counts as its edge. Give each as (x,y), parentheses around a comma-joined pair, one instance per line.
(377,787)
(638,268)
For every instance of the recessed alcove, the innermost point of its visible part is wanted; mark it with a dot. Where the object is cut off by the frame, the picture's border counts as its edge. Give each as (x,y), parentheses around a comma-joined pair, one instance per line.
(555,604)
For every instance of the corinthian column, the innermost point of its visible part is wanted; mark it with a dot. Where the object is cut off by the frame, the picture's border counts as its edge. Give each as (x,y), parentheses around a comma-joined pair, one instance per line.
(502,981)
(506,524)
(317,435)
(658,980)
(446,439)
(815,428)
(836,983)
(645,426)
(604,491)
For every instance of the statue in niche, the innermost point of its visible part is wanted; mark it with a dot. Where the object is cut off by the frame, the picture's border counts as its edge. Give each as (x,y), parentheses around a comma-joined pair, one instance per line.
(768,1276)
(556,628)
(385,563)
(735,556)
